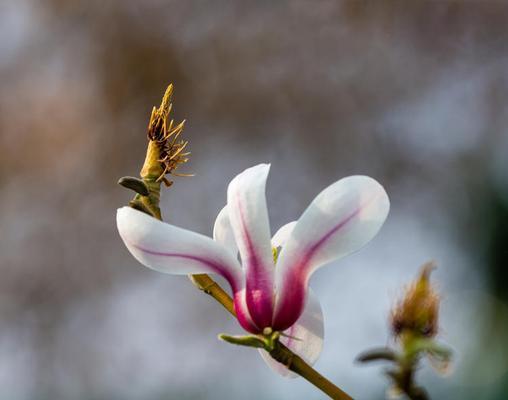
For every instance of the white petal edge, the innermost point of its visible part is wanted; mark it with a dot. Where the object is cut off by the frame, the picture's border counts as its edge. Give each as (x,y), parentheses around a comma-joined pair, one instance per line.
(169,249)
(351,211)
(282,235)
(223,232)
(309,328)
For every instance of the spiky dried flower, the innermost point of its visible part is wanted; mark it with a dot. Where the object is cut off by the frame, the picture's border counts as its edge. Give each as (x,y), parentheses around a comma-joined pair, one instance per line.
(166,148)
(417,312)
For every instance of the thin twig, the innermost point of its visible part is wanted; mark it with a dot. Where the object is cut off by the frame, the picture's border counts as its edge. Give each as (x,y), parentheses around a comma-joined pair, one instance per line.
(164,157)
(281,353)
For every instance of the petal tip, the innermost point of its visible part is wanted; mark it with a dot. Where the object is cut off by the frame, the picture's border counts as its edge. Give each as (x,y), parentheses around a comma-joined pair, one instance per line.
(263,168)
(126,212)
(374,186)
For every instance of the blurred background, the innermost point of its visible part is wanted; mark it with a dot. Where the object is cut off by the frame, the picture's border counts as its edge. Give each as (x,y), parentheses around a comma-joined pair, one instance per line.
(413,93)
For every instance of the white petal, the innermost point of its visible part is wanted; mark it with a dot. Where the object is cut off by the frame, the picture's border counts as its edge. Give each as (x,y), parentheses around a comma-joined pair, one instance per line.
(340,220)
(249,219)
(310,330)
(282,235)
(223,232)
(167,248)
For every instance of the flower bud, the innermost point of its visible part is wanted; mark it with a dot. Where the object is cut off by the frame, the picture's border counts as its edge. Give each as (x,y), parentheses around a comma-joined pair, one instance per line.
(417,312)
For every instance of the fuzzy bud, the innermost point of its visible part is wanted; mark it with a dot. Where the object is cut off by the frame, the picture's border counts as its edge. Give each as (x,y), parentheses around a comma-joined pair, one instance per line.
(417,312)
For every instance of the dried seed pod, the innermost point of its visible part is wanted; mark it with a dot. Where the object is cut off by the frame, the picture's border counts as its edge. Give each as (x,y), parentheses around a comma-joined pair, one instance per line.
(166,150)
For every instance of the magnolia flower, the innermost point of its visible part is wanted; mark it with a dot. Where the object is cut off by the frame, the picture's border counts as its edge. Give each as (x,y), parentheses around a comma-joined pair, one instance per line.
(271,285)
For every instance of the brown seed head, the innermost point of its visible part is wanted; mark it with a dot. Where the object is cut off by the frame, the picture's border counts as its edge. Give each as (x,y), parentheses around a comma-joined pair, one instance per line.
(167,148)
(417,312)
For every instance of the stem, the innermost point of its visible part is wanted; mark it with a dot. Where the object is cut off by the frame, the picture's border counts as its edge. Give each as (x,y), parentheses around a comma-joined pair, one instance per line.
(153,169)
(296,364)
(203,282)
(212,288)
(417,394)
(412,348)
(281,353)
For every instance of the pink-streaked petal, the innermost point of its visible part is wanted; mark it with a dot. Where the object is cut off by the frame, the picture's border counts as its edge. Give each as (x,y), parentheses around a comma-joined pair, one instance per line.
(223,232)
(249,219)
(310,330)
(282,235)
(243,314)
(341,219)
(169,249)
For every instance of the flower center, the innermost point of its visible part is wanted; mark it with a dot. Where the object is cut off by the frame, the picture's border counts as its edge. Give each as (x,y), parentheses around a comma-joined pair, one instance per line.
(275,254)
(267,331)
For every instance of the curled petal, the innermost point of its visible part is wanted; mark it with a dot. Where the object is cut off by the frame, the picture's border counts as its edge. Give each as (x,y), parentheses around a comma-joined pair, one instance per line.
(341,219)
(167,248)
(304,338)
(223,232)
(249,219)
